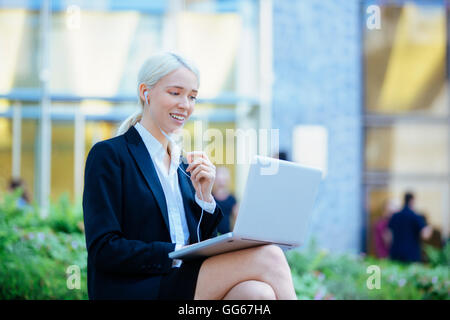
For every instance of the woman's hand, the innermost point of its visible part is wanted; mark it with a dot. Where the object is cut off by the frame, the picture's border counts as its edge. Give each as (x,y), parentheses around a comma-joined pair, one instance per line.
(203,174)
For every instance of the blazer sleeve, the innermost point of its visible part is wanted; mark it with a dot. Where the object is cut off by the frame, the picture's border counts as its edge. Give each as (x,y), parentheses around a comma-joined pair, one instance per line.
(107,247)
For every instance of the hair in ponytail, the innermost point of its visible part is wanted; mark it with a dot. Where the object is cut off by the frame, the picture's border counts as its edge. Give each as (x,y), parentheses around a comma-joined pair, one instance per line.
(153,69)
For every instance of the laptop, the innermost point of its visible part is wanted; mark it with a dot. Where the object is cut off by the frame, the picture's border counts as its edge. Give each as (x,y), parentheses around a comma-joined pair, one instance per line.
(275,209)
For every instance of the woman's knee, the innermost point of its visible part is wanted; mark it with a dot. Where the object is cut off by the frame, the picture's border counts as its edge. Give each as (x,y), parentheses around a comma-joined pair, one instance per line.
(251,290)
(272,257)
(274,253)
(265,263)
(264,292)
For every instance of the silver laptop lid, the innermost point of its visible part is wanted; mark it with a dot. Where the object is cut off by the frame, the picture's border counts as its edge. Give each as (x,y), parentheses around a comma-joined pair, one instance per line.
(278,200)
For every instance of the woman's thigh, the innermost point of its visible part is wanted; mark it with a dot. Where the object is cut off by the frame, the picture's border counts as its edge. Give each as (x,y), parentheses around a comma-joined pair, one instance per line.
(218,274)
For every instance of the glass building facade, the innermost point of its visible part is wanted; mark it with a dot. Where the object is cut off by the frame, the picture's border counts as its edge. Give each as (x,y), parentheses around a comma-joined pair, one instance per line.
(81,58)
(374,100)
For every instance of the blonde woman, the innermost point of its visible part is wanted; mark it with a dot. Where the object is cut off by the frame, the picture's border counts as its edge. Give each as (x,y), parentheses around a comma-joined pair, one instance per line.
(139,206)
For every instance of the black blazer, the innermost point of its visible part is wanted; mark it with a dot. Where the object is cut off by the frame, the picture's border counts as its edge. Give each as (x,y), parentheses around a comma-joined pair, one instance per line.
(126,220)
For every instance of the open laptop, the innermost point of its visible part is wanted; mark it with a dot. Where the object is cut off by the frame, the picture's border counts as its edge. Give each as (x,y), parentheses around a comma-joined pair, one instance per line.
(276,209)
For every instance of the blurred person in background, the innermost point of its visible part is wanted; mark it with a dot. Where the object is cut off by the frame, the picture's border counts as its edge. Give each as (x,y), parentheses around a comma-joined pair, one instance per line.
(225,199)
(407,229)
(24,199)
(383,237)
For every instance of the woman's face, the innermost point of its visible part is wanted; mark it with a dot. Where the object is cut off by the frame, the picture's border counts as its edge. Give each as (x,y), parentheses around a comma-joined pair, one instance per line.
(172,99)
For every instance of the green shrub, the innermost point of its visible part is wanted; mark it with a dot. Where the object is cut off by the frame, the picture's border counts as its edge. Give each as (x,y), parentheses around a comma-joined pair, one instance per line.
(65,217)
(318,274)
(35,253)
(437,257)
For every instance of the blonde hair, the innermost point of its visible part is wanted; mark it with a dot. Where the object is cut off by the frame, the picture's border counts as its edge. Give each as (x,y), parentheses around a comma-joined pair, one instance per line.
(153,69)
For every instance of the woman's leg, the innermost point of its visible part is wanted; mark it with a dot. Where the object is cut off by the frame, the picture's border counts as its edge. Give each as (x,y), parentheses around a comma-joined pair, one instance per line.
(219,274)
(251,290)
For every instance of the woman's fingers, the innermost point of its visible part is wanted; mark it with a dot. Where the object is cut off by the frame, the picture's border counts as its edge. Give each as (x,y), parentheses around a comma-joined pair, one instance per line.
(198,157)
(203,174)
(196,154)
(199,161)
(200,168)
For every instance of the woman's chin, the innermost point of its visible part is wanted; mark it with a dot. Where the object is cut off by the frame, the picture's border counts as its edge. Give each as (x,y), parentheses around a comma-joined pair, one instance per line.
(173,129)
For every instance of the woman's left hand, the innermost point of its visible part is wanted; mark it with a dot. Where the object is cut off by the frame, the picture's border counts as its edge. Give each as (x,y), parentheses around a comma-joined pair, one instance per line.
(203,174)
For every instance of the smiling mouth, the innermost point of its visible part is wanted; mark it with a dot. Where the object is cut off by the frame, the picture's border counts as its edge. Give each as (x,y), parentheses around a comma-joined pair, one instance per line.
(177,117)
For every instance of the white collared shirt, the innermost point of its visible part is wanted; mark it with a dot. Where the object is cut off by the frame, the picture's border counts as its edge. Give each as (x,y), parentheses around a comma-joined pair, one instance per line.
(179,231)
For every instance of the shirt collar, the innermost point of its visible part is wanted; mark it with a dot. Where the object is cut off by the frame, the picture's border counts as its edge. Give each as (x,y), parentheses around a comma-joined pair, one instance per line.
(156,149)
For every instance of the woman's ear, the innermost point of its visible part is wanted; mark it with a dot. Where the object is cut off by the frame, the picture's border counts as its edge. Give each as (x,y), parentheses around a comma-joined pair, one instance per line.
(145,91)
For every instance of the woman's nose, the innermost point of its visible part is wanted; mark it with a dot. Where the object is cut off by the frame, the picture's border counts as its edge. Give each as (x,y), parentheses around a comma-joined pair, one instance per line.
(184,102)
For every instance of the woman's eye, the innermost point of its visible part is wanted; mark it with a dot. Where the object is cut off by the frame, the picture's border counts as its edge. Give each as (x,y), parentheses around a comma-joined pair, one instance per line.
(174,93)
(193,98)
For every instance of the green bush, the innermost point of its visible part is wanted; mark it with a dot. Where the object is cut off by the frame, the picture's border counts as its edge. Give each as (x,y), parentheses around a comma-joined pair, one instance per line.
(35,253)
(318,274)
(437,257)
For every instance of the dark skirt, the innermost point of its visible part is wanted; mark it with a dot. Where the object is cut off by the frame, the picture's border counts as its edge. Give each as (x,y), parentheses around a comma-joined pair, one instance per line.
(180,283)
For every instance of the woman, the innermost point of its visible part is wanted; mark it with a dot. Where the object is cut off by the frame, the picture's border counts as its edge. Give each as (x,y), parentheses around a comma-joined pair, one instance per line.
(382,235)
(139,206)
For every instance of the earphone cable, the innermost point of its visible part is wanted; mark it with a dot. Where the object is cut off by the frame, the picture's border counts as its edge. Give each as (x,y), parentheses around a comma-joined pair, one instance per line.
(185,173)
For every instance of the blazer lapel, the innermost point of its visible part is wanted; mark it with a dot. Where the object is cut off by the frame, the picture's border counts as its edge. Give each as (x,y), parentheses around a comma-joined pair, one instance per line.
(145,164)
(188,200)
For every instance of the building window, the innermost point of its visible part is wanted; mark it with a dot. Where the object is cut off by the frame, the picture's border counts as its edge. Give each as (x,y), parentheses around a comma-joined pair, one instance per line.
(406,112)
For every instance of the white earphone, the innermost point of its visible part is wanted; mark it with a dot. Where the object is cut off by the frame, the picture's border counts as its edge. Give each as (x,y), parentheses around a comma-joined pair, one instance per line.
(146,97)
